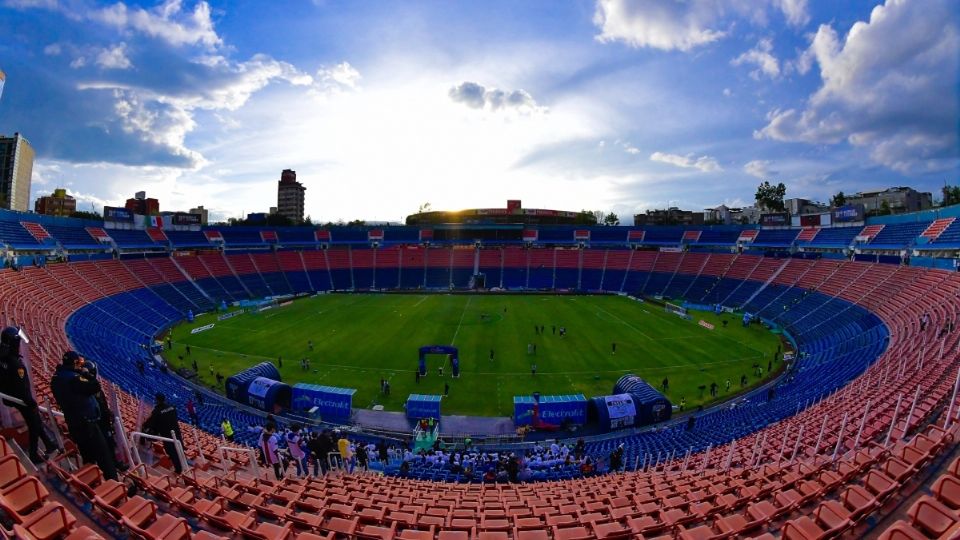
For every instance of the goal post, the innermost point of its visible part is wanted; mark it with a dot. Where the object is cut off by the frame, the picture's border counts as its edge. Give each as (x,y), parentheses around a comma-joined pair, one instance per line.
(679,311)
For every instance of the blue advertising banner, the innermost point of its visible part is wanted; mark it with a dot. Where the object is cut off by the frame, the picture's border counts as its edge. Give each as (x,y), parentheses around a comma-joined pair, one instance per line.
(423,406)
(332,402)
(552,410)
(523,410)
(848,213)
(113,213)
(559,409)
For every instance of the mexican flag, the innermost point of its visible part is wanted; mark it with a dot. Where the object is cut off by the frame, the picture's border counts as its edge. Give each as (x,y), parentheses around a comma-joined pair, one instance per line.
(153,221)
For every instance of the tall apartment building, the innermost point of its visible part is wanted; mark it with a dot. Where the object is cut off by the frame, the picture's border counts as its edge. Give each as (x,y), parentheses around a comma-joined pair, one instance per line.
(16,172)
(290,196)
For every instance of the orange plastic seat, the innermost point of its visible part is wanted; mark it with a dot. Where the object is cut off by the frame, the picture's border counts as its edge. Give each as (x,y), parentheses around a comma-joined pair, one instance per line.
(539,534)
(701,532)
(577,532)
(377,532)
(802,528)
(901,530)
(833,516)
(929,515)
(22,497)
(11,470)
(610,530)
(947,491)
(47,523)
(265,530)
(859,501)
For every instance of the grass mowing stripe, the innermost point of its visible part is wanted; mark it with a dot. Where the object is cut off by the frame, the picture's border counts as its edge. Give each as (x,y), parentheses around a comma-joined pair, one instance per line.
(459,324)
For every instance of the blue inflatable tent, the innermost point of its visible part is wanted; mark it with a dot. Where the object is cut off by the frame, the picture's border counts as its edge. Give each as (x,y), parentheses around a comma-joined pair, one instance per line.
(253,387)
(651,405)
(614,411)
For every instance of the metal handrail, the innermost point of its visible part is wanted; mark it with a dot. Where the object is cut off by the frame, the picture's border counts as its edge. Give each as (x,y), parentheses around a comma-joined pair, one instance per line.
(137,435)
(254,468)
(18,401)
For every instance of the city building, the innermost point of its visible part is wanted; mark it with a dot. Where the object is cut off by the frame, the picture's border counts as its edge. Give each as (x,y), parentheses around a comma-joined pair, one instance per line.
(669,216)
(140,204)
(513,214)
(796,207)
(290,196)
(56,204)
(899,200)
(202,212)
(724,215)
(16,172)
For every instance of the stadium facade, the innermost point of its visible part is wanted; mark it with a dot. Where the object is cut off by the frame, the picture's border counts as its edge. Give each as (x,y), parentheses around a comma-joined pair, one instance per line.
(513,214)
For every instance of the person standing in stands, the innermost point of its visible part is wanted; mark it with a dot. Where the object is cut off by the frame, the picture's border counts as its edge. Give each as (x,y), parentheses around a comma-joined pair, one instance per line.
(192,411)
(346,453)
(15,383)
(268,446)
(163,422)
(75,392)
(297,454)
(107,426)
(227,429)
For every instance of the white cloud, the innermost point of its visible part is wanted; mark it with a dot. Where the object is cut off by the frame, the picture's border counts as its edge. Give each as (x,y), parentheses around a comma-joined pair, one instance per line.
(759,168)
(795,11)
(333,80)
(684,24)
(762,57)
(689,161)
(165,119)
(889,87)
(658,24)
(168,21)
(52,49)
(114,57)
(727,92)
(477,96)
(78,62)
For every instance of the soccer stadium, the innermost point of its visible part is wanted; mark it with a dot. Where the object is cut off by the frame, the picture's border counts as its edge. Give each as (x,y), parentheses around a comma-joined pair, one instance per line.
(486,374)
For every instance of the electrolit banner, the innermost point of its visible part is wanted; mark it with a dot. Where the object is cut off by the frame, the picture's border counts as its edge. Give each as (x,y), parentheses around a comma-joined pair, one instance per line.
(621,410)
(330,401)
(560,409)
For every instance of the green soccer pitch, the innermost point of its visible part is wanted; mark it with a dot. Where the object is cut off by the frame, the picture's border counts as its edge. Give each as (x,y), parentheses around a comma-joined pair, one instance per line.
(359,338)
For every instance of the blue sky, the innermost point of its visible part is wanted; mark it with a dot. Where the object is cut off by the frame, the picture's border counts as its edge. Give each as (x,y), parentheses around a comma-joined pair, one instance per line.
(619,105)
